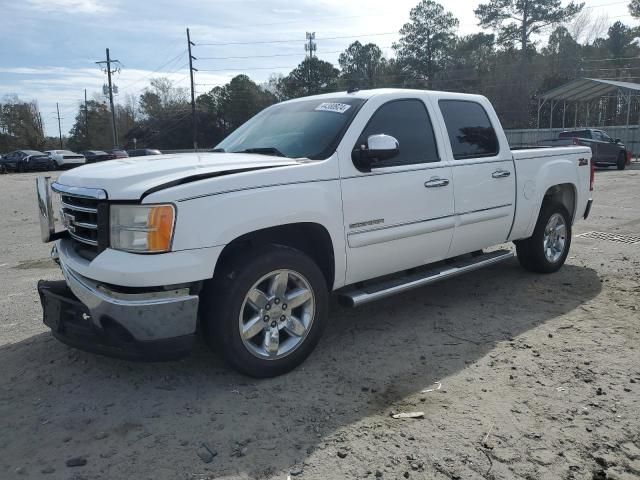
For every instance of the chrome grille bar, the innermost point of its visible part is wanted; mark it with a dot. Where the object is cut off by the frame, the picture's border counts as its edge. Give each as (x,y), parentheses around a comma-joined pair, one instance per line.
(93,243)
(78,208)
(88,226)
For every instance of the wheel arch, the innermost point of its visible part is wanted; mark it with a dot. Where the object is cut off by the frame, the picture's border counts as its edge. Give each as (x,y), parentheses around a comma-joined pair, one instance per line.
(313,239)
(563,193)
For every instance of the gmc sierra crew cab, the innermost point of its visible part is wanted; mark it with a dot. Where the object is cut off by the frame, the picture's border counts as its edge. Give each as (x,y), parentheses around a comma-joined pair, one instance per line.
(364,194)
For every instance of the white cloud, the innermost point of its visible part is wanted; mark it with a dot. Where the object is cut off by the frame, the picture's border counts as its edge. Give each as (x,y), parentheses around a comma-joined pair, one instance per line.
(72,6)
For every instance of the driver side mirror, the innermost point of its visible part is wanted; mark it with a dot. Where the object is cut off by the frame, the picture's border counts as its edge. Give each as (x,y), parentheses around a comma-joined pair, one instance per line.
(617,140)
(378,148)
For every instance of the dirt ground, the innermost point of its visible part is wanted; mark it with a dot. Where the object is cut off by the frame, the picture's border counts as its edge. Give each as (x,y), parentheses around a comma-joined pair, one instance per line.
(539,378)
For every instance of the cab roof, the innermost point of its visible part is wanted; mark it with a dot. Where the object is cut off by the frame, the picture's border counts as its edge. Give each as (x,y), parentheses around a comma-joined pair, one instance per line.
(390,92)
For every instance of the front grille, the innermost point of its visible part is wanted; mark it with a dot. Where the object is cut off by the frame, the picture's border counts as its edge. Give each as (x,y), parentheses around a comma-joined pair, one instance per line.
(85,214)
(80,216)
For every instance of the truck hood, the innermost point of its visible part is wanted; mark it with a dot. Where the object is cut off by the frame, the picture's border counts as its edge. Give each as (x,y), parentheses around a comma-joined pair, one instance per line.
(131,178)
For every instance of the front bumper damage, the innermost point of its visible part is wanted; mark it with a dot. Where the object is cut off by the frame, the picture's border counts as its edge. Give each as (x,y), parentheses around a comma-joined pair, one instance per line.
(151,323)
(143,324)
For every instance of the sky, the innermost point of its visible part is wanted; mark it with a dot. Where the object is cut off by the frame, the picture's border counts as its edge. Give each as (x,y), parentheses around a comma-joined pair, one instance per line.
(49,51)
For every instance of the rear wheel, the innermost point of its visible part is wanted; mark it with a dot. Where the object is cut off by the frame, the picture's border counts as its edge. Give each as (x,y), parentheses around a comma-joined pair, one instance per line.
(265,312)
(622,161)
(52,165)
(547,249)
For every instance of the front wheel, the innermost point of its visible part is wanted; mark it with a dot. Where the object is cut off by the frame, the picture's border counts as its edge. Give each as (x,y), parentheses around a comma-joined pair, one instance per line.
(622,161)
(547,249)
(265,312)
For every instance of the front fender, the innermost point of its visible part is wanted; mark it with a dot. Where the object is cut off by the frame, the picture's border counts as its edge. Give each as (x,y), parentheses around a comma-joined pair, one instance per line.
(217,220)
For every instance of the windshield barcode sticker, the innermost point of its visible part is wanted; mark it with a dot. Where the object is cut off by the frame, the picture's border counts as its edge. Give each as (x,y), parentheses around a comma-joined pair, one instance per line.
(333,107)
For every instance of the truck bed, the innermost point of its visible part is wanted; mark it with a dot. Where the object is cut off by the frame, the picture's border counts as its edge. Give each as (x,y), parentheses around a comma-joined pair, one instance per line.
(539,166)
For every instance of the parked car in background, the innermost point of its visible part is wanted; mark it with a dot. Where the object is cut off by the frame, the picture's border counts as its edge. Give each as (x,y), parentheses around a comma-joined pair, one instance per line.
(66,158)
(118,153)
(94,156)
(24,160)
(606,152)
(141,152)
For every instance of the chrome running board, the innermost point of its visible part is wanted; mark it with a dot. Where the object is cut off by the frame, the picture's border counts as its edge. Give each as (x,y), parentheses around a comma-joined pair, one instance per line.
(356,296)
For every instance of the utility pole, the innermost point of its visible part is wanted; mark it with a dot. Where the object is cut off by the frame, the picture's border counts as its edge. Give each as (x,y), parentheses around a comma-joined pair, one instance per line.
(107,69)
(310,46)
(194,119)
(86,118)
(59,125)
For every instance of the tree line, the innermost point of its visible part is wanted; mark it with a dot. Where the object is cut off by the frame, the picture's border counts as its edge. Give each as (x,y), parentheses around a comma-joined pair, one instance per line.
(510,65)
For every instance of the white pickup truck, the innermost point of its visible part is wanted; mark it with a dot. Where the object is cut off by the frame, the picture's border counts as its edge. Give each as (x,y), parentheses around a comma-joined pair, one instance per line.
(363,194)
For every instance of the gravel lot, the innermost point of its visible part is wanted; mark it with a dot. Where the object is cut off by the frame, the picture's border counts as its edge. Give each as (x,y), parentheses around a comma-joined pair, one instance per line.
(539,375)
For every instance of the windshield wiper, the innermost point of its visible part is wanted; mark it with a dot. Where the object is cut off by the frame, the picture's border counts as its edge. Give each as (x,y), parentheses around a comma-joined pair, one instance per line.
(263,151)
(217,150)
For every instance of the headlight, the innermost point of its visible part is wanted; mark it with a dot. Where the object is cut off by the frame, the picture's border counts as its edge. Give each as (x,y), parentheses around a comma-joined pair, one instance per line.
(142,228)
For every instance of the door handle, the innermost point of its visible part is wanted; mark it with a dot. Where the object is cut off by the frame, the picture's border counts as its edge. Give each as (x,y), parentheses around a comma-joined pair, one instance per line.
(501,174)
(436,182)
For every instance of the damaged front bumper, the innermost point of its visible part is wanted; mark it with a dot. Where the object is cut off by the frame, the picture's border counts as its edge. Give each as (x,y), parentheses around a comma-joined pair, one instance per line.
(152,324)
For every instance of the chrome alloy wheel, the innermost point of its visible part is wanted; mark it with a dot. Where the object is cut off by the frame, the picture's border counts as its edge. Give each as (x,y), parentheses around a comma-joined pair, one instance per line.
(555,238)
(277,314)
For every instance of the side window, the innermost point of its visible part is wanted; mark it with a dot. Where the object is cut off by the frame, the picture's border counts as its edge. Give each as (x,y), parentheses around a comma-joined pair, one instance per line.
(407,121)
(597,135)
(470,131)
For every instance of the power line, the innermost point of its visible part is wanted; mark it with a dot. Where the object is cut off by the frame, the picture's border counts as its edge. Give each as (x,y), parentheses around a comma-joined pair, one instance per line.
(157,70)
(243,57)
(243,69)
(296,40)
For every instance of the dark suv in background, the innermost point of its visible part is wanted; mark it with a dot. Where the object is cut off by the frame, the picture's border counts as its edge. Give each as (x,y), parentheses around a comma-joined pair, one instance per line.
(94,156)
(141,152)
(117,153)
(606,151)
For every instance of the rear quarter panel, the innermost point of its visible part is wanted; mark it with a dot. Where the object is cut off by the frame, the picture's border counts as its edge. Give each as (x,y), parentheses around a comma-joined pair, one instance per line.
(538,170)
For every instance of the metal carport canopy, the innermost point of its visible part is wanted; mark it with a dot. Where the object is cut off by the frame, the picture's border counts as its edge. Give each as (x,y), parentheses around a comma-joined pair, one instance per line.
(587,89)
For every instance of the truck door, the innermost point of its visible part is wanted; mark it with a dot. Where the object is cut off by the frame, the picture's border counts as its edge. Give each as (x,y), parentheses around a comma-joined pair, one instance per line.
(399,215)
(483,176)
(607,148)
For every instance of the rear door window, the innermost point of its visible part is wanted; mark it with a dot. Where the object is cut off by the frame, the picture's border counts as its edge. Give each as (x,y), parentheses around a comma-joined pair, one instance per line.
(470,131)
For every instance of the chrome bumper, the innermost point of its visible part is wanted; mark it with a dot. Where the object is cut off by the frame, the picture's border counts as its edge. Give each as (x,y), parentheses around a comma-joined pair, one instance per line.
(148,316)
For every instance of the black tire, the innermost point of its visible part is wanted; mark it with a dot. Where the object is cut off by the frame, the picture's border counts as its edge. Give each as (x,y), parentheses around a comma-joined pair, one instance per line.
(622,161)
(222,299)
(20,167)
(52,165)
(531,252)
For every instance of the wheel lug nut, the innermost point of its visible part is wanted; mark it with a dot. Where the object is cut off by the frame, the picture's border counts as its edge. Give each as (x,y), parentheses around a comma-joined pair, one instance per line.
(267,307)
(273,324)
(276,301)
(266,318)
(283,318)
(284,306)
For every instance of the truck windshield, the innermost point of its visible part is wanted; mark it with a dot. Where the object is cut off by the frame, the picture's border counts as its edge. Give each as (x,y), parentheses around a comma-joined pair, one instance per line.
(305,129)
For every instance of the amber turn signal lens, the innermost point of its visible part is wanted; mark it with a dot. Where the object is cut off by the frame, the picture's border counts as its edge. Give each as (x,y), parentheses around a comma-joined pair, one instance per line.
(160,224)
